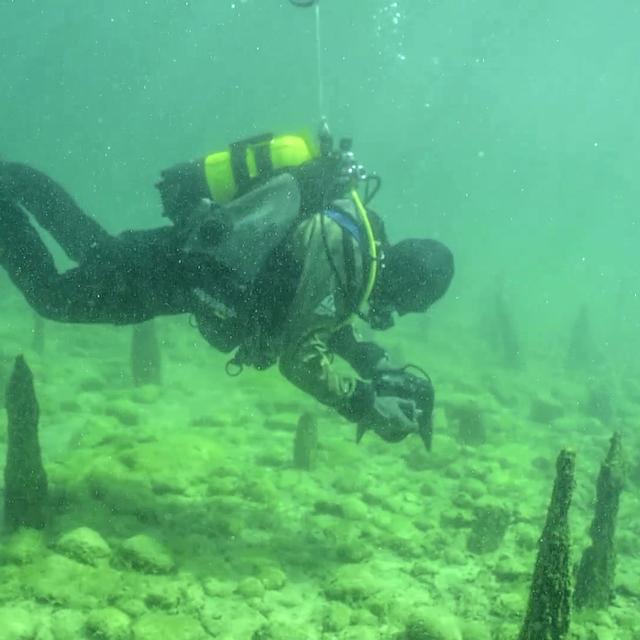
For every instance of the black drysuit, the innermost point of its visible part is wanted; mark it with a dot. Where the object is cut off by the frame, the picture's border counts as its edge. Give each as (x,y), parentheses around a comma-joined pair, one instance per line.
(296,316)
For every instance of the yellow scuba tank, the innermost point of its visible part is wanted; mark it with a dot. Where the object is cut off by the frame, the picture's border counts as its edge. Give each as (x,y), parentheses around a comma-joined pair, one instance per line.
(230,173)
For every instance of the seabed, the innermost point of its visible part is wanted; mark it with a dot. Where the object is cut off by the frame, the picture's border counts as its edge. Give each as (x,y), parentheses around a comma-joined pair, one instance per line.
(176,510)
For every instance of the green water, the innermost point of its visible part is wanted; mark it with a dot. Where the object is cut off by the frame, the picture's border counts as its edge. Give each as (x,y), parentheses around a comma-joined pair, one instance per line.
(507,131)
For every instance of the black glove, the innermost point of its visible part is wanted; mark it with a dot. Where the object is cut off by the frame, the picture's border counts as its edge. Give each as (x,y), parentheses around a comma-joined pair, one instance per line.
(391,417)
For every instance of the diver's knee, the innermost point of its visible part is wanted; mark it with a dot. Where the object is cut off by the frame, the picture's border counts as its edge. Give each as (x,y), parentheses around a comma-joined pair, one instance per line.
(11,174)
(16,177)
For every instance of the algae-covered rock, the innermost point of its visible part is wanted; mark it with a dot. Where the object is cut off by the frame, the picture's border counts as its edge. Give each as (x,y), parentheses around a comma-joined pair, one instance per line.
(250,588)
(431,624)
(160,465)
(281,626)
(230,619)
(23,547)
(360,632)
(545,409)
(59,581)
(509,605)
(488,528)
(143,553)
(209,421)
(161,626)
(463,500)
(628,586)
(84,545)
(377,607)
(509,631)
(423,568)
(273,578)
(473,487)
(363,616)
(146,394)
(122,491)
(352,584)
(271,456)
(353,550)
(11,583)
(259,489)
(417,459)
(456,519)
(472,630)
(108,624)
(16,623)
(466,415)
(336,617)
(222,485)
(217,588)
(403,545)
(192,596)
(133,607)
(329,508)
(125,411)
(92,382)
(67,624)
(350,481)
(510,568)
(526,536)
(354,509)
(163,594)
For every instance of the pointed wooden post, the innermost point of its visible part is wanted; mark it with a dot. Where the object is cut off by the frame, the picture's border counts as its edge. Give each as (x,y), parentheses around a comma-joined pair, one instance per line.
(549,611)
(146,358)
(25,480)
(597,569)
(305,446)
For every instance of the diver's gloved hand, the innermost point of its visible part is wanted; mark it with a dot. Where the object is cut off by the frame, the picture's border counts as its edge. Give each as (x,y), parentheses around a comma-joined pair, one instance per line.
(403,384)
(391,417)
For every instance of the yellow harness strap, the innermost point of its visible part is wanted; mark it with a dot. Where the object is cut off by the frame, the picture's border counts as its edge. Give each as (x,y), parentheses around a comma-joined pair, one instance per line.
(371,242)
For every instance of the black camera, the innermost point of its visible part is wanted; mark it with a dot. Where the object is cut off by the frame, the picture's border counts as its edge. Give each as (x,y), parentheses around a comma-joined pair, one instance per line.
(401,383)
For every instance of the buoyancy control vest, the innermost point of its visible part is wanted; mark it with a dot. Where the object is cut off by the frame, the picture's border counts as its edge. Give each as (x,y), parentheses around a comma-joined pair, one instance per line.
(242,234)
(237,205)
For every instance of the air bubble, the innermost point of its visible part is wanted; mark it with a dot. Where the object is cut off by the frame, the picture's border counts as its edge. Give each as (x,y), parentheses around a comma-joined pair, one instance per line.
(389,27)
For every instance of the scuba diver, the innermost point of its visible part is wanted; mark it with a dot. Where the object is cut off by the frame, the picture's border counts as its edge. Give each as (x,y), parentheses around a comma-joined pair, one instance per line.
(273,252)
